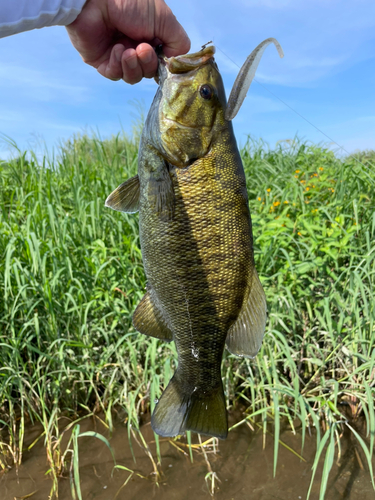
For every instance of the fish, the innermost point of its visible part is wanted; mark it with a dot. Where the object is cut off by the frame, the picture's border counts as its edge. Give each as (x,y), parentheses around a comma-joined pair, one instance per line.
(203,291)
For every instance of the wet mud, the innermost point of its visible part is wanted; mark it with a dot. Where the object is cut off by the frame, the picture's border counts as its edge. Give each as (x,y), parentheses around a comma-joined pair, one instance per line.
(242,464)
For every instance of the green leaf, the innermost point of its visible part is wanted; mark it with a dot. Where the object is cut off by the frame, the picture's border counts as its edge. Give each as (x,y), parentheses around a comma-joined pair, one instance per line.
(101,438)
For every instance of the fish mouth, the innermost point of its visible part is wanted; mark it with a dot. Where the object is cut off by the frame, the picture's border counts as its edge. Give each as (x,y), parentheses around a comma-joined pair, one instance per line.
(189,62)
(184,63)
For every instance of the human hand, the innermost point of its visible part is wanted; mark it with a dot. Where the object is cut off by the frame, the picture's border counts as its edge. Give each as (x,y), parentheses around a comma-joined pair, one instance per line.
(118,37)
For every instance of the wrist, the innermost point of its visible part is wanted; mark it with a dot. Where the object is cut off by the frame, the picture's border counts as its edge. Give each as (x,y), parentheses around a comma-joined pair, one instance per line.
(92,10)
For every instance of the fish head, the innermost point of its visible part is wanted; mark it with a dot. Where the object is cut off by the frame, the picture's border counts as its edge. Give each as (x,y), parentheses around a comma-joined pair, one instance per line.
(191,106)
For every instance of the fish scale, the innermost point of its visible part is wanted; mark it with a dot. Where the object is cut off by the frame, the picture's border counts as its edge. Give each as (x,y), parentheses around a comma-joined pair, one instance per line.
(196,238)
(210,251)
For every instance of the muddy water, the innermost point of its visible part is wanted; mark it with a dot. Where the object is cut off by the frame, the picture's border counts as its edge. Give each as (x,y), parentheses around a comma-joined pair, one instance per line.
(243,466)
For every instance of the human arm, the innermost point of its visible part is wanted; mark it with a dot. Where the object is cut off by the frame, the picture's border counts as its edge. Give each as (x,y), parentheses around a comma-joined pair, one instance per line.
(17,16)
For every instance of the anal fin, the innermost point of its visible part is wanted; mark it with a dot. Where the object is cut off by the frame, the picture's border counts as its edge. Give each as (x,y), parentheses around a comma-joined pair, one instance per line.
(148,319)
(246,334)
(125,198)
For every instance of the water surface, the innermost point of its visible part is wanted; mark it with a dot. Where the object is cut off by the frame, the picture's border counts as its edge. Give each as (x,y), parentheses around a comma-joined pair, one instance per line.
(243,466)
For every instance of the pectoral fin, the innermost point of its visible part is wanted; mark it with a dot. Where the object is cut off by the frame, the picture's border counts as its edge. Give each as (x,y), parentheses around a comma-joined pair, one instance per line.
(161,194)
(246,334)
(125,198)
(158,183)
(148,319)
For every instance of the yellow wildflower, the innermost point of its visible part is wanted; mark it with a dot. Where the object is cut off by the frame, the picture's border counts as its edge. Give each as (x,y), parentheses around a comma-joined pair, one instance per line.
(259,198)
(299,234)
(286,201)
(276,203)
(298,171)
(321,168)
(268,190)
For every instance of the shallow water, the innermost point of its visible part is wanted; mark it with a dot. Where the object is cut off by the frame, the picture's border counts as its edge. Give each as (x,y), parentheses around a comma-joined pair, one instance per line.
(243,466)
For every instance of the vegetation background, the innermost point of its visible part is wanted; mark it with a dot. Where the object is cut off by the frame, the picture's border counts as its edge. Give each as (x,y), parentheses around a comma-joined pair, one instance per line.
(71,275)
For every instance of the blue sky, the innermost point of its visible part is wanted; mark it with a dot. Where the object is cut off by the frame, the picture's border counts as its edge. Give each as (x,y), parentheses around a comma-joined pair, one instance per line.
(327,75)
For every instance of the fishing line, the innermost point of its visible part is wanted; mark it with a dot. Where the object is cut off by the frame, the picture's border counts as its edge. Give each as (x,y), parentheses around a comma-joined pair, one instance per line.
(297,113)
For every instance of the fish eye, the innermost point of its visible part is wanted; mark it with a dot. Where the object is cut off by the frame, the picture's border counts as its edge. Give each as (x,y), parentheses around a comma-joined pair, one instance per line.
(206,91)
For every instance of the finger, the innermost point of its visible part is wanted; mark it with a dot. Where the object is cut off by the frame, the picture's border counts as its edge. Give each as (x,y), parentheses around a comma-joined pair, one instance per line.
(112,69)
(170,32)
(131,68)
(147,59)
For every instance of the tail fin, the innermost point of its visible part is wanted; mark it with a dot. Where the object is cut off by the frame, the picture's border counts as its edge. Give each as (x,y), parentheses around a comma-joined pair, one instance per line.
(199,411)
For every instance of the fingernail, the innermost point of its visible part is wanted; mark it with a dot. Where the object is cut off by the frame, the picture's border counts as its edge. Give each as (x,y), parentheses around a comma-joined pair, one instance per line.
(118,54)
(132,62)
(146,57)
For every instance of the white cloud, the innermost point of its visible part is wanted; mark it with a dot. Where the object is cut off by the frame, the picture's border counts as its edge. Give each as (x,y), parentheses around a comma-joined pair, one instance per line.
(319,38)
(257,104)
(356,144)
(9,115)
(45,88)
(270,4)
(41,85)
(226,63)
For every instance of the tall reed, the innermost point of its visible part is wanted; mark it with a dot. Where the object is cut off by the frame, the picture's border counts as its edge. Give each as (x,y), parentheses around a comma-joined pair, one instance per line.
(71,275)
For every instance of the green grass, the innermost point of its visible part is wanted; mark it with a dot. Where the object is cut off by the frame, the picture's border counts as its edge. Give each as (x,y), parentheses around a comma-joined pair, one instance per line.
(71,275)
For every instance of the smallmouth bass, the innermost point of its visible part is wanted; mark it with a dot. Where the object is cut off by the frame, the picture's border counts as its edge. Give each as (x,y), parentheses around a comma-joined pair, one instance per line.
(203,290)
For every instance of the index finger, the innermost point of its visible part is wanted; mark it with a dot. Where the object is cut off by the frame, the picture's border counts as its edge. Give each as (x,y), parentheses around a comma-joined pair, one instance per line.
(170,32)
